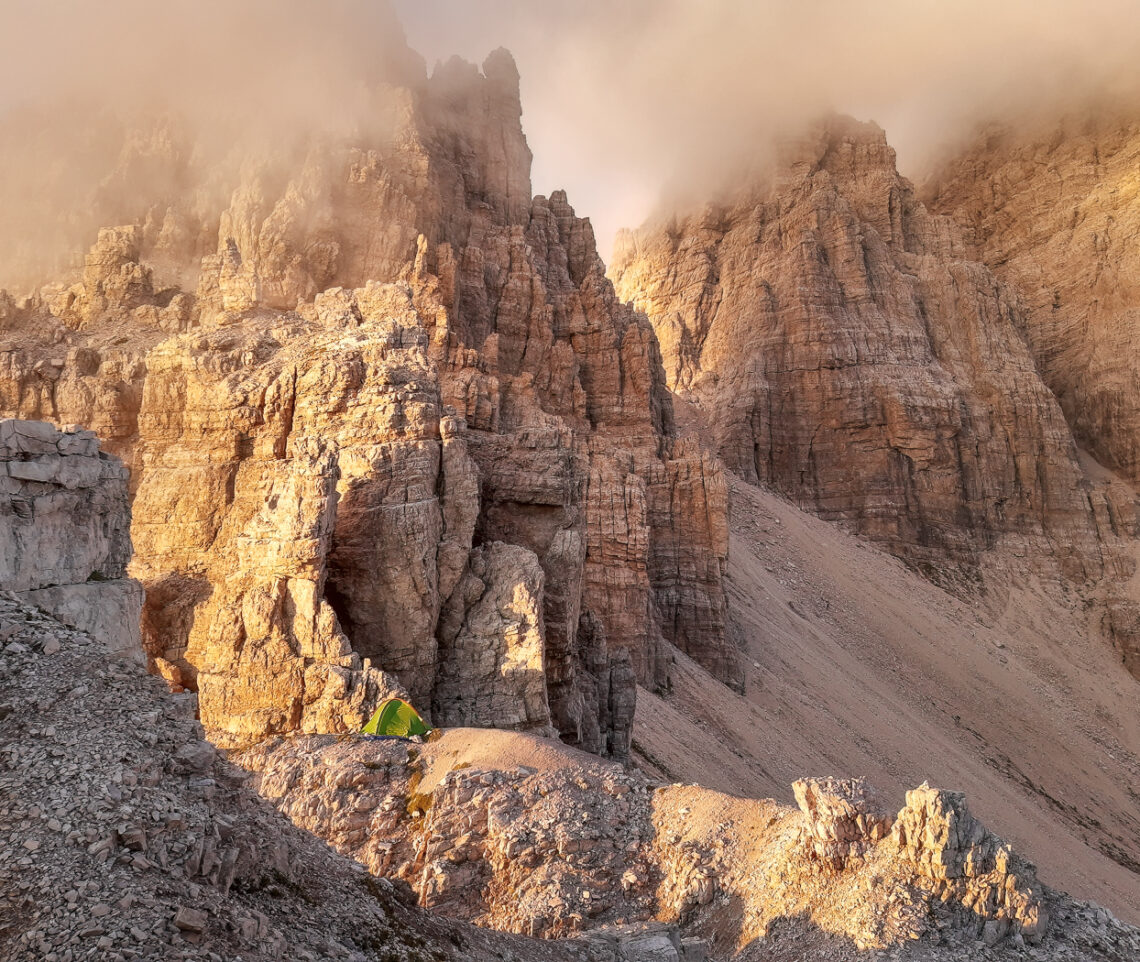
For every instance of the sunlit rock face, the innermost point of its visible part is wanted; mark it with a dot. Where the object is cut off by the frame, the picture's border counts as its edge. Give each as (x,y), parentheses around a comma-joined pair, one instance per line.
(1054,214)
(392,432)
(844,346)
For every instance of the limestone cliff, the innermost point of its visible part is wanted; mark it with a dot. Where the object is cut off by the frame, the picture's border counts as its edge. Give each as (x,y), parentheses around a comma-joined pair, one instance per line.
(1054,214)
(394,433)
(64,531)
(844,346)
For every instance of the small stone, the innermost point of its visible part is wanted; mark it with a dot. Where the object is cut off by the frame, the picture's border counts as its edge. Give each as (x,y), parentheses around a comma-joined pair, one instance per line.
(993,932)
(196,757)
(190,920)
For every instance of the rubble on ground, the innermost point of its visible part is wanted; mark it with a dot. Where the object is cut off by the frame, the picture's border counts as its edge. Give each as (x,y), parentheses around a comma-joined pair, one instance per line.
(125,836)
(588,848)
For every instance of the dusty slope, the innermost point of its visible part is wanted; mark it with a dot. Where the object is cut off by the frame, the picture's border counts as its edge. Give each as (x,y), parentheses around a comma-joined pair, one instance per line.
(857,666)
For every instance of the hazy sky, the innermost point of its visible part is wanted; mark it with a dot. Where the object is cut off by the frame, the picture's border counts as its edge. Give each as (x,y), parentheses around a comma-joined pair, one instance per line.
(621,95)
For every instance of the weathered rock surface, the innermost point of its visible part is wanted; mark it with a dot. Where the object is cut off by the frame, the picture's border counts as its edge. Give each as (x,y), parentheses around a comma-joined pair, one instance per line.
(579,846)
(66,516)
(843,818)
(844,346)
(969,865)
(246,484)
(127,836)
(492,658)
(1053,213)
(65,530)
(133,836)
(395,360)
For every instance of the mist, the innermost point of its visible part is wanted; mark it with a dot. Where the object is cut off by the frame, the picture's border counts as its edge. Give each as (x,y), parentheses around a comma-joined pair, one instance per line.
(621,98)
(109,110)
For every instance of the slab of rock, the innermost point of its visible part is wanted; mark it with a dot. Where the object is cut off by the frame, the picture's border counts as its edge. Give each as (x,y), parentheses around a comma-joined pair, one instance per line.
(847,347)
(64,513)
(492,669)
(107,610)
(190,920)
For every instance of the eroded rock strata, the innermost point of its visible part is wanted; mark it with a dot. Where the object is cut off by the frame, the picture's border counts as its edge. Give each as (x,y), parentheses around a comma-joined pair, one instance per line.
(569,846)
(845,346)
(65,531)
(396,433)
(1052,212)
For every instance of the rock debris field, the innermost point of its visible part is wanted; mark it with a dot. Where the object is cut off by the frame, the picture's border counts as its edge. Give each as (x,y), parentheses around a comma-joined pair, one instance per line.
(123,835)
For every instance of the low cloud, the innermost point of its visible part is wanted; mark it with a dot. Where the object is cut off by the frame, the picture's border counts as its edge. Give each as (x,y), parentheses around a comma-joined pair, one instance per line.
(621,97)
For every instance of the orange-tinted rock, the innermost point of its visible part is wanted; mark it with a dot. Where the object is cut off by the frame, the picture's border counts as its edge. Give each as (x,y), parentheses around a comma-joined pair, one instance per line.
(844,346)
(1053,213)
(394,360)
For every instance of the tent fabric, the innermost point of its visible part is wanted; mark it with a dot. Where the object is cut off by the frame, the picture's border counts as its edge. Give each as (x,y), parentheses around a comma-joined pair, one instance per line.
(395,717)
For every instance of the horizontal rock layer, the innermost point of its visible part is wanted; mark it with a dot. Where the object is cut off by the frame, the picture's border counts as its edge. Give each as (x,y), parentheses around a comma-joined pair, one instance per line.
(844,345)
(395,433)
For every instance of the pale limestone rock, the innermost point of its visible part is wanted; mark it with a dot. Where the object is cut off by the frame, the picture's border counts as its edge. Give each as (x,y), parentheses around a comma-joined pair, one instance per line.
(844,820)
(455,347)
(969,864)
(106,610)
(588,847)
(843,346)
(320,472)
(491,670)
(64,532)
(64,515)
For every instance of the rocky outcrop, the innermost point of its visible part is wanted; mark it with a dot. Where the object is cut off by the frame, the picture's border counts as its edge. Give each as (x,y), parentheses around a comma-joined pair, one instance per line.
(155,845)
(289,499)
(970,866)
(405,436)
(575,846)
(65,530)
(843,819)
(955,857)
(149,843)
(1053,213)
(844,346)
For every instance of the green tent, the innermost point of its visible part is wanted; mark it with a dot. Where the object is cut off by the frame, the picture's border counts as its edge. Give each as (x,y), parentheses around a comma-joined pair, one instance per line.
(395,717)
